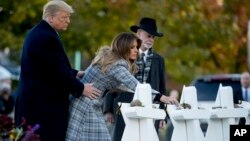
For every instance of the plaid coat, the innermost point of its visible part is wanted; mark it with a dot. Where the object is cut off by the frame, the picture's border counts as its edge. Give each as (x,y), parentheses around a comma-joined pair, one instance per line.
(156,78)
(86,120)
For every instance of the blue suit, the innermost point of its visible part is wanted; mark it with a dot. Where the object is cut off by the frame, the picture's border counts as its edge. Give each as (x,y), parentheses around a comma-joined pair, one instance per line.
(46,81)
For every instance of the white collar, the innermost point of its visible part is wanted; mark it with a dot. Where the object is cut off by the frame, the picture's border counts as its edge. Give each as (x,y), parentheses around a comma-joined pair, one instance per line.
(145,52)
(243,88)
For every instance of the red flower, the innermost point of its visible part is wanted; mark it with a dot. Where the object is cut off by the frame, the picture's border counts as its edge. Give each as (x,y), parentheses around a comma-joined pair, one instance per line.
(6,125)
(23,132)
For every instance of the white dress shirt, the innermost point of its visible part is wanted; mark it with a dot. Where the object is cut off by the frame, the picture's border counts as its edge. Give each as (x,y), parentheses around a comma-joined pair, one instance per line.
(146,54)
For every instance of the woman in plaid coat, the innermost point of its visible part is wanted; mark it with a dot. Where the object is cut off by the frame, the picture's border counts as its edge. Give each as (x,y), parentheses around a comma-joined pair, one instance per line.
(112,67)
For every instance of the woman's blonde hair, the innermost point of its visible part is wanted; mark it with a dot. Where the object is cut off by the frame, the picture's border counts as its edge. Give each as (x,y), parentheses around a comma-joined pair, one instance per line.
(120,49)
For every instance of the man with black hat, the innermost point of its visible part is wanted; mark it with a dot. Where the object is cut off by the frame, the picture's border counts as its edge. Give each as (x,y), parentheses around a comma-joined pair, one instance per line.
(151,70)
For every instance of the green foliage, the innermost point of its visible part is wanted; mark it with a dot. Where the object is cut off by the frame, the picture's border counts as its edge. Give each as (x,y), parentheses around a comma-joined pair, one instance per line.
(200,36)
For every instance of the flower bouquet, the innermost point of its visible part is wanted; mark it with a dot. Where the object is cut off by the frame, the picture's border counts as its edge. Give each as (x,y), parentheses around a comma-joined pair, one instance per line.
(8,132)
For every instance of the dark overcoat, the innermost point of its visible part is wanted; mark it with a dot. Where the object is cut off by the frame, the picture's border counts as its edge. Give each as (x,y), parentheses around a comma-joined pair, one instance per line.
(157,80)
(45,83)
(238,96)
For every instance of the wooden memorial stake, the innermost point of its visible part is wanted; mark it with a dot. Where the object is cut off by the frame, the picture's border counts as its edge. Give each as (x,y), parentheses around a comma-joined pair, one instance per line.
(140,120)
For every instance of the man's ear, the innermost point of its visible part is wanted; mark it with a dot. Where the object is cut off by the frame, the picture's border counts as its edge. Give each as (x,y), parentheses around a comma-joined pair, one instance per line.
(50,19)
(138,31)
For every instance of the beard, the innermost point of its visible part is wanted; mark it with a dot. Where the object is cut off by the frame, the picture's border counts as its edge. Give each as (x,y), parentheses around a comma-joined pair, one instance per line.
(147,46)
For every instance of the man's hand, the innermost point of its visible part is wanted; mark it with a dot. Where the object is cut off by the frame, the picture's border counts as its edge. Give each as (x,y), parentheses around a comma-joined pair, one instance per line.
(109,117)
(162,124)
(80,74)
(90,91)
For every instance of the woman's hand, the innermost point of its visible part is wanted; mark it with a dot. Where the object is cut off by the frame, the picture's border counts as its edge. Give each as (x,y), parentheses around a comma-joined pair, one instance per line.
(169,100)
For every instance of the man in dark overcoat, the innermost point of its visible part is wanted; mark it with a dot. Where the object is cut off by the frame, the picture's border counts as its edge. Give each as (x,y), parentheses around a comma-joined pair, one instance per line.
(243,93)
(47,78)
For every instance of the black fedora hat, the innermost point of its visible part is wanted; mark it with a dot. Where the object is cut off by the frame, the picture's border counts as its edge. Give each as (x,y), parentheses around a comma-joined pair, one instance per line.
(147,24)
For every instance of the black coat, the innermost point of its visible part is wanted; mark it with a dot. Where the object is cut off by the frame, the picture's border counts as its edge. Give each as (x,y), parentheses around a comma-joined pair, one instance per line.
(238,96)
(46,81)
(157,80)
(7,106)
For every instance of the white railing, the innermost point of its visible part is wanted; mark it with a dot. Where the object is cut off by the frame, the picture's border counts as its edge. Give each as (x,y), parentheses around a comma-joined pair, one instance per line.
(219,116)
